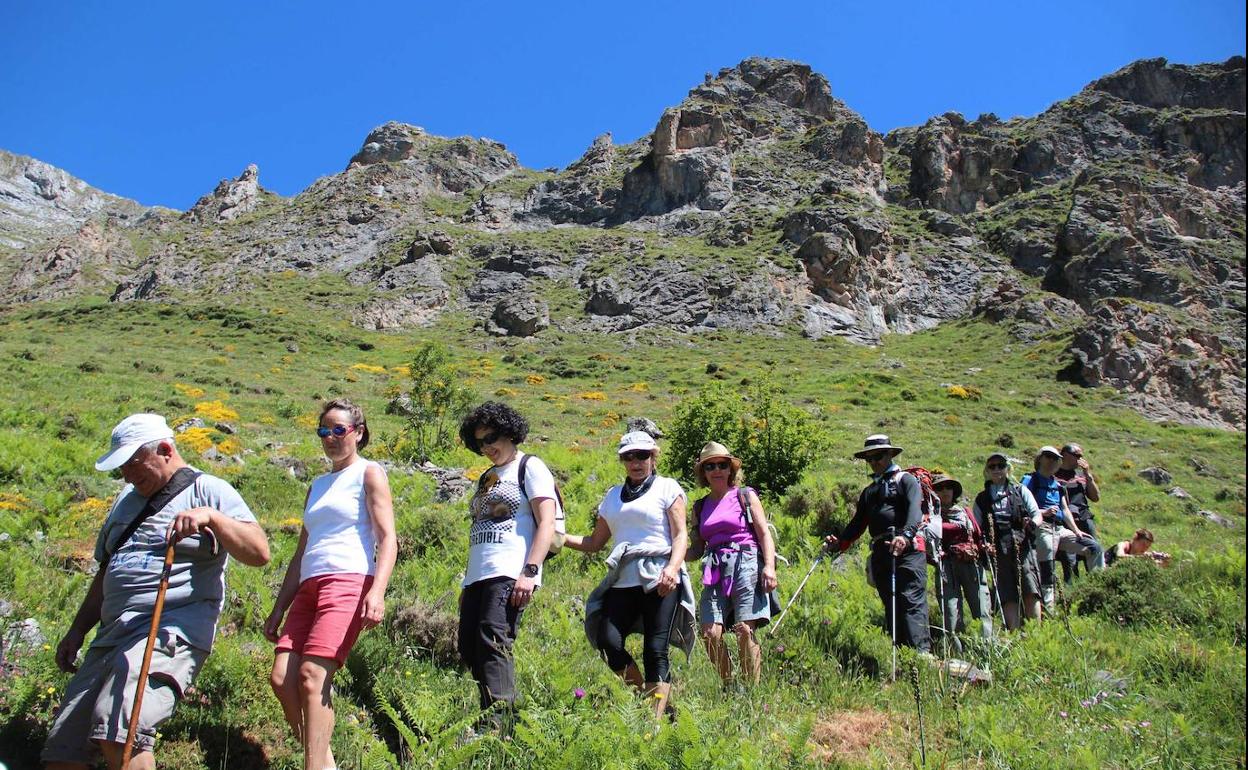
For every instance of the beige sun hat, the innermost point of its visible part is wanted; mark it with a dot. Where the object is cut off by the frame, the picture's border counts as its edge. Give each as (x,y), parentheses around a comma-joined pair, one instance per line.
(714,450)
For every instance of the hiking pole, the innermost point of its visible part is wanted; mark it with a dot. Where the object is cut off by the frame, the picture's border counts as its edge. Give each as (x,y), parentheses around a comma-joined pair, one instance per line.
(918,702)
(892,590)
(772,628)
(141,683)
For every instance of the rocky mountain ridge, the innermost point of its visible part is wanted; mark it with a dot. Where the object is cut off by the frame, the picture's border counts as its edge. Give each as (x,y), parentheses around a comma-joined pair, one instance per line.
(761,202)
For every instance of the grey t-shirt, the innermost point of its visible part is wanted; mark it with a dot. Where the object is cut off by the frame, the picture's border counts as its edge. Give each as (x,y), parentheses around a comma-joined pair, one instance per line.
(196,582)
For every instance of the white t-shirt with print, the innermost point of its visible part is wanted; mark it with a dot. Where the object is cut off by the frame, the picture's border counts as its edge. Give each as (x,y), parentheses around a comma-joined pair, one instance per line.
(641,522)
(503,526)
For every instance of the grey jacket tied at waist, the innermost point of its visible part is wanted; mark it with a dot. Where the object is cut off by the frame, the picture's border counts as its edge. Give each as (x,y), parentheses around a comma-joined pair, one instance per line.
(650,563)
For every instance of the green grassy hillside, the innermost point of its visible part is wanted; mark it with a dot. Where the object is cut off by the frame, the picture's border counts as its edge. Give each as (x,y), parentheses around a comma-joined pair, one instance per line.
(264,361)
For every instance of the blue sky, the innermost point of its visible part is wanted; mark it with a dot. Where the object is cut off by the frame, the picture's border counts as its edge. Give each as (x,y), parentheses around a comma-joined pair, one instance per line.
(158,101)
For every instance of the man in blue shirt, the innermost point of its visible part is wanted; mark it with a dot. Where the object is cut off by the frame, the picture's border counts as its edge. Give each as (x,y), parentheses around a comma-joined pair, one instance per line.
(1059,532)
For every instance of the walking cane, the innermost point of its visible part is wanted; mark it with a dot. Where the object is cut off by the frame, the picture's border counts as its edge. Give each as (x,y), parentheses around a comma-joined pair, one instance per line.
(141,684)
(771,629)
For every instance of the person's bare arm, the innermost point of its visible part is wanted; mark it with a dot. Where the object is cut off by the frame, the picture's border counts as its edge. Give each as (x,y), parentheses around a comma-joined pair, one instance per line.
(765,542)
(286,594)
(670,577)
(244,540)
(380,506)
(593,542)
(84,620)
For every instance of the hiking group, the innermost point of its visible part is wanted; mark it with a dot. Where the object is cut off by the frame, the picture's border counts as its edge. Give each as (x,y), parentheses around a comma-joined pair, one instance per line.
(162,551)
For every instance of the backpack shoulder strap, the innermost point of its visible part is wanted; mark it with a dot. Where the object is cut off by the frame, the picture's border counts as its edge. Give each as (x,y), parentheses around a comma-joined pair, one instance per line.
(181,479)
(743,498)
(520,474)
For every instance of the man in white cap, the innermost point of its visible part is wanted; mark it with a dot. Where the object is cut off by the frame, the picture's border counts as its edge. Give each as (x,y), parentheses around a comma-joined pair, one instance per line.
(890,509)
(163,499)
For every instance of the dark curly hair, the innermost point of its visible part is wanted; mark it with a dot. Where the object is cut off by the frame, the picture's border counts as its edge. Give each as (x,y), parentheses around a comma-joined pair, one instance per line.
(493,416)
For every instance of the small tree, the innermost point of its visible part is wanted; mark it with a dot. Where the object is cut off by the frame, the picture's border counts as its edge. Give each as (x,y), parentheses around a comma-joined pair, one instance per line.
(432,406)
(775,440)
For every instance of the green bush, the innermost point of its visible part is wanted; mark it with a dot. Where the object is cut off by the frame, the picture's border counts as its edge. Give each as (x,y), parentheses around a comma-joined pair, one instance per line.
(432,406)
(1138,592)
(775,440)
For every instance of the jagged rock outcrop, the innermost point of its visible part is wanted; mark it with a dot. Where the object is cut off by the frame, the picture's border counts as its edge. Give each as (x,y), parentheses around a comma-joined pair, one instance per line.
(39,202)
(231,198)
(1168,370)
(452,165)
(518,315)
(69,265)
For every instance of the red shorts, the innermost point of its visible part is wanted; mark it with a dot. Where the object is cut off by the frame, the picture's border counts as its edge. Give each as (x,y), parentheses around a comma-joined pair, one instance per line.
(324,619)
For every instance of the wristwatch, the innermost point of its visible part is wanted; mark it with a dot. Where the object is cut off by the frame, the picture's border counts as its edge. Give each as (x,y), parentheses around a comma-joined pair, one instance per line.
(530,570)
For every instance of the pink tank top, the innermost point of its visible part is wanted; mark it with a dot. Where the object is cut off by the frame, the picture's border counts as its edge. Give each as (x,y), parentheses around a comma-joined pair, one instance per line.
(722,521)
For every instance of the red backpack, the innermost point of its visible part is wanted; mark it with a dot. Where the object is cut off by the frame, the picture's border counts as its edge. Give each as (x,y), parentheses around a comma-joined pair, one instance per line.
(929,503)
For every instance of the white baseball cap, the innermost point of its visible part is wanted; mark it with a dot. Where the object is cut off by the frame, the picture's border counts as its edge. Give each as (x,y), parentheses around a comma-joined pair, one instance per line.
(130,434)
(637,440)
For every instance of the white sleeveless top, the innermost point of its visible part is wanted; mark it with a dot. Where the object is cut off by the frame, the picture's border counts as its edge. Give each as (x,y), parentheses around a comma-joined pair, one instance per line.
(340,530)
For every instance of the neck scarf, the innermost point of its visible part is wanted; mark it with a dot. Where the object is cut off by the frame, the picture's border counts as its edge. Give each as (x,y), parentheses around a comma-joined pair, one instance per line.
(629,493)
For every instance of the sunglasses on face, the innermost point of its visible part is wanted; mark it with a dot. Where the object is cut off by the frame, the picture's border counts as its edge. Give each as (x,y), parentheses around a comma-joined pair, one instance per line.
(996,466)
(337,430)
(632,457)
(875,457)
(723,465)
(489,438)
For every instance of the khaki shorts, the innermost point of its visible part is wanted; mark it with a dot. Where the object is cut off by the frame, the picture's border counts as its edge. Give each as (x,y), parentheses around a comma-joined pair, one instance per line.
(99,698)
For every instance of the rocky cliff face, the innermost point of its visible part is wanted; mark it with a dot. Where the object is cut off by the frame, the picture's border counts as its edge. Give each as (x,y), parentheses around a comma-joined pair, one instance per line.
(1115,219)
(39,202)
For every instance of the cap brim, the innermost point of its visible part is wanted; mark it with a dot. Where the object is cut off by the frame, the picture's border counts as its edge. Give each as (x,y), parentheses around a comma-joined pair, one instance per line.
(635,448)
(116,458)
(896,450)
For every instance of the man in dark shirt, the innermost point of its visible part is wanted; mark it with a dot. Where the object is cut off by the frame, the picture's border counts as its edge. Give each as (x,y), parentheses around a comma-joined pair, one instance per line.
(890,510)
(1075,473)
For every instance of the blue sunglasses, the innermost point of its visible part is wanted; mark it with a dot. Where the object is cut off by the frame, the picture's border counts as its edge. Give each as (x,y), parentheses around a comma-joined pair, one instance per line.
(337,430)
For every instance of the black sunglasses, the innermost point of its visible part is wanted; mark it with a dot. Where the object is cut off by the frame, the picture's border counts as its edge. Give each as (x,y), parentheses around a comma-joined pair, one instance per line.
(629,457)
(489,438)
(996,466)
(337,430)
(874,456)
(722,465)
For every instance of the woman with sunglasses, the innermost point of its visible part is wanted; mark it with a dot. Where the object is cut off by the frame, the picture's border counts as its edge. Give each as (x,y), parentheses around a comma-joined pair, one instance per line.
(335,585)
(1008,514)
(730,534)
(646,587)
(513,525)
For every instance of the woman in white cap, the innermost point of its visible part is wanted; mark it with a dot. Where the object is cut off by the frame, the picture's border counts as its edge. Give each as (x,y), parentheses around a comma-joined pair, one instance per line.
(739,561)
(1007,512)
(646,588)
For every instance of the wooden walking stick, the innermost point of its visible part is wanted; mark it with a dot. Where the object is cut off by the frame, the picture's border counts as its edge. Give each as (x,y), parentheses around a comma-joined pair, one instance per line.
(141,684)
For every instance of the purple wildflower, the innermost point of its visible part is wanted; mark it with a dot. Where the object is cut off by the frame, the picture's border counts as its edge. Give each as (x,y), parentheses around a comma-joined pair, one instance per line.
(578,693)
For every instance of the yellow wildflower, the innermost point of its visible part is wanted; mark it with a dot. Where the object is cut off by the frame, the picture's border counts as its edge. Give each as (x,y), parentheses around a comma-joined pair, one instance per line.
(215,410)
(190,391)
(199,439)
(639,387)
(592,395)
(535,379)
(371,369)
(505,392)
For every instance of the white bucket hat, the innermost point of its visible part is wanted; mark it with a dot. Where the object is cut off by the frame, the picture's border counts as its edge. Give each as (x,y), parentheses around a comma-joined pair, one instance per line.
(130,434)
(638,441)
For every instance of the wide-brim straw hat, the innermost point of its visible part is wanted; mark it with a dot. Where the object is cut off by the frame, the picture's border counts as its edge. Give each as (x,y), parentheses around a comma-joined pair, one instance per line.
(942,480)
(874,444)
(715,450)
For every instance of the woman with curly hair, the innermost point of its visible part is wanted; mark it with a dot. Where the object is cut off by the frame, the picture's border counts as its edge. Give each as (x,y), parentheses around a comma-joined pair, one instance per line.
(335,585)
(513,514)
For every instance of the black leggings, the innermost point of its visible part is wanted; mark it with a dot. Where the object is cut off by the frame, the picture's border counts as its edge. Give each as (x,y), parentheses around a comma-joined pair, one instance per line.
(621,609)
